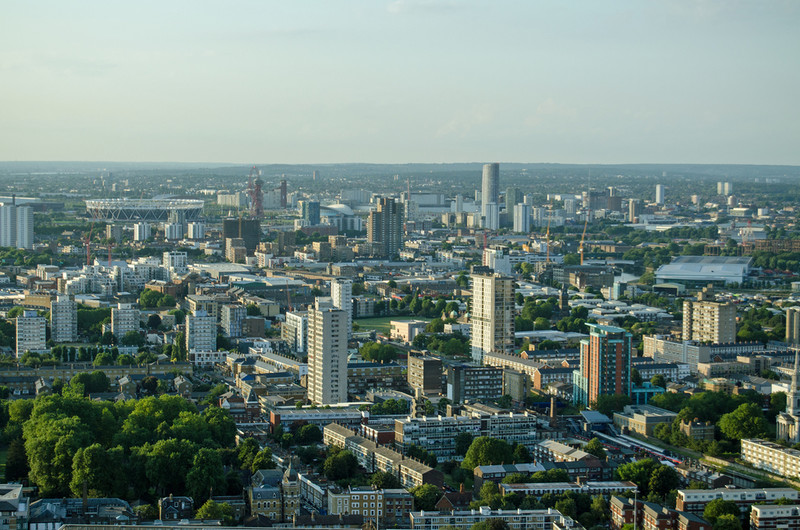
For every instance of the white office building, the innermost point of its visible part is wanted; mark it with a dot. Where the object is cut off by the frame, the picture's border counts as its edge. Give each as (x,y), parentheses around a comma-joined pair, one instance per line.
(31,333)
(63,319)
(327,354)
(492,318)
(201,333)
(342,296)
(175,262)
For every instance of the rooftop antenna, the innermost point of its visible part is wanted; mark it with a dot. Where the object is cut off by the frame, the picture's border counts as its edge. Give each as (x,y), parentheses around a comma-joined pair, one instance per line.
(583,237)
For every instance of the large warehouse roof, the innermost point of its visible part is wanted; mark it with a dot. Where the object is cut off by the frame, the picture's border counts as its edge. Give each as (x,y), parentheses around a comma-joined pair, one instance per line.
(726,269)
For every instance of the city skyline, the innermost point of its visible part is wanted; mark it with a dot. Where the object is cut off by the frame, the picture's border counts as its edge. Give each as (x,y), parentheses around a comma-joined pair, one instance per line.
(402,81)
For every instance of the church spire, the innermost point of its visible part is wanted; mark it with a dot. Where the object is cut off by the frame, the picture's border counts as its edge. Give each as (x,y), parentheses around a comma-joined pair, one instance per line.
(792,401)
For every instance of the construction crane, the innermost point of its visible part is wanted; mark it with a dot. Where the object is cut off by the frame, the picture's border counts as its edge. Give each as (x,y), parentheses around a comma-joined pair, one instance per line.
(547,238)
(87,242)
(254,184)
(583,237)
(747,236)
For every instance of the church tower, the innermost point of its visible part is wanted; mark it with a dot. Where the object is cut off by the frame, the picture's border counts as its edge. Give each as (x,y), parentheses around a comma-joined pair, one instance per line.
(290,493)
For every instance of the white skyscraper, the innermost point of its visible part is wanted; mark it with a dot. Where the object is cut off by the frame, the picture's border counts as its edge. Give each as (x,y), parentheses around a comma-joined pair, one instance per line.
(197,230)
(327,354)
(490,194)
(24,227)
(231,317)
(63,319)
(522,218)
(491,216)
(173,231)
(201,332)
(295,331)
(16,226)
(342,296)
(497,259)
(8,225)
(659,194)
(141,231)
(492,317)
(31,333)
(124,318)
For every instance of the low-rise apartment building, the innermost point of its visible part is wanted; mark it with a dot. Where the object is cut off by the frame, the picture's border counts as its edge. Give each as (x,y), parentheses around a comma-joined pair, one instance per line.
(652,516)
(437,434)
(557,488)
(549,519)
(774,517)
(695,501)
(771,457)
(364,376)
(373,458)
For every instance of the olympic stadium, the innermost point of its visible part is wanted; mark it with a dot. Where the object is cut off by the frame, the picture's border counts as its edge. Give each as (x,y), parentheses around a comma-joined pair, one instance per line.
(143,209)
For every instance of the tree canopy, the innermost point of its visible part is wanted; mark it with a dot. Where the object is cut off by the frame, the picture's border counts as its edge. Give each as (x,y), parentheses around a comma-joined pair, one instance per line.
(719,507)
(425,496)
(487,451)
(596,448)
(372,351)
(747,421)
(152,444)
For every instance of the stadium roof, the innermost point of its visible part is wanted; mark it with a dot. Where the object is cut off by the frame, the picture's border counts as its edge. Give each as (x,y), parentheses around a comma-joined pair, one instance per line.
(705,268)
(142,209)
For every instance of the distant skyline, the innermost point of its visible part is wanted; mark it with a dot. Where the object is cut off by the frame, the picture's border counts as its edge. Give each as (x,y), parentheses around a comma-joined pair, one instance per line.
(588,82)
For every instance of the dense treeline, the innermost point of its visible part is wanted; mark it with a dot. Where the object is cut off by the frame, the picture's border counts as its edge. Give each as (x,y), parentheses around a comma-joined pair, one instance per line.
(735,417)
(133,449)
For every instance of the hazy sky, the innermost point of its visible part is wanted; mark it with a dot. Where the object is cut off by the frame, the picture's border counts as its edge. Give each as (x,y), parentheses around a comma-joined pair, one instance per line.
(403,81)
